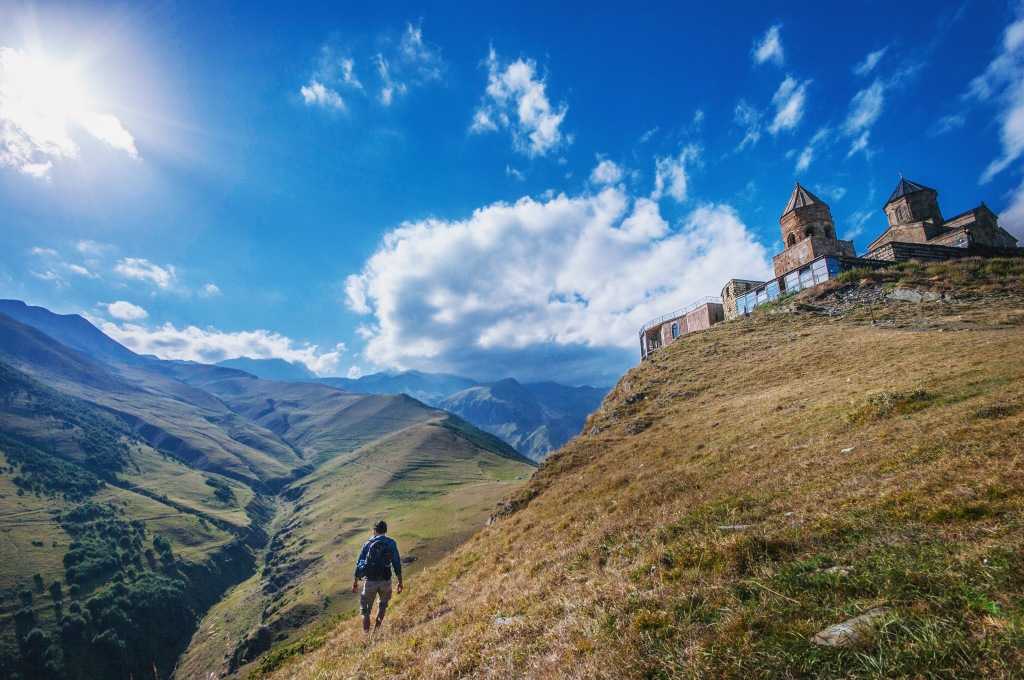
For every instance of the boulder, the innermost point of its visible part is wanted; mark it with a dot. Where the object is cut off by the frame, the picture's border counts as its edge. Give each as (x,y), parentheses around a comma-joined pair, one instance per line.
(852,632)
(914,295)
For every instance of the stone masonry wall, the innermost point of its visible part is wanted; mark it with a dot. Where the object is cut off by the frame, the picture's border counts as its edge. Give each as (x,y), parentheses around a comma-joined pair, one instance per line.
(807,250)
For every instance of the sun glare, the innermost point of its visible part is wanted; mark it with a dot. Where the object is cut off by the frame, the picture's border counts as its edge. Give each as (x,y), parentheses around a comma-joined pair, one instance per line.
(46,97)
(45,103)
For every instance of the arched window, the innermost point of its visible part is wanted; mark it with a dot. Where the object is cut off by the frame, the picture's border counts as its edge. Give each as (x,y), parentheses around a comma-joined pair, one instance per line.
(791,241)
(809,232)
(675,330)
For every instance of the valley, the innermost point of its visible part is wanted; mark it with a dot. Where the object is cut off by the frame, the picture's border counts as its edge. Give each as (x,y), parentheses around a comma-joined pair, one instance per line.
(136,492)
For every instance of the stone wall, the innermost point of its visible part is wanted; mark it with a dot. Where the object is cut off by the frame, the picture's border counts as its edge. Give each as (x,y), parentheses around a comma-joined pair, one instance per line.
(986,230)
(732,290)
(923,252)
(913,232)
(807,250)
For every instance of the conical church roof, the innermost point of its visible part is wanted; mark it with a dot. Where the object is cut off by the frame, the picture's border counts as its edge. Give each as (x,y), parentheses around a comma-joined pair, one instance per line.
(904,188)
(801,198)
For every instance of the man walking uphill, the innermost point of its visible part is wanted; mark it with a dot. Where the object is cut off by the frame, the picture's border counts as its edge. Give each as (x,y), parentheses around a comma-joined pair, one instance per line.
(376,560)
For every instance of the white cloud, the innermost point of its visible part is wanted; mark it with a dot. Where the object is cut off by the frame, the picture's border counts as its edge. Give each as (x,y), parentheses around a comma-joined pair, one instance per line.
(209,345)
(870,62)
(142,269)
(606,172)
(51,276)
(860,144)
(748,118)
(210,290)
(424,60)
(516,99)
(92,248)
(789,102)
(670,176)
(769,47)
(1012,218)
(348,73)
(947,123)
(109,129)
(126,311)
(79,270)
(646,137)
(865,108)
(42,105)
(857,222)
(316,93)
(524,288)
(57,264)
(413,62)
(1003,81)
(389,87)
(830,191)
(402,62)
(806,156)
(37,170)
(513,173)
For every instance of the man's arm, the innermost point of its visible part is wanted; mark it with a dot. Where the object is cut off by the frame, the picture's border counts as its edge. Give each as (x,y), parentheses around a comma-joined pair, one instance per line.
(396,564)
(362,556)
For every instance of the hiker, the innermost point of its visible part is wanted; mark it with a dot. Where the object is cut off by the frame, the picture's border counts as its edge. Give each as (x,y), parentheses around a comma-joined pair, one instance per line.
(376,560)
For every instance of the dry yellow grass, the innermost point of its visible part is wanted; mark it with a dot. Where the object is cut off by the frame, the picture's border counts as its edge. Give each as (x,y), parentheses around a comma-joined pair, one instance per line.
(688,531)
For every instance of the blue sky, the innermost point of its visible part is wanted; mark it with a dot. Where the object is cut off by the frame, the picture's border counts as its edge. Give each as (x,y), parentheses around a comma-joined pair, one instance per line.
(501,191)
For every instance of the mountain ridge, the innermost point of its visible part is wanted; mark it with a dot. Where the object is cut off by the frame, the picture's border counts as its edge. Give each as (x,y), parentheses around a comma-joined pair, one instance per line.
(534,418)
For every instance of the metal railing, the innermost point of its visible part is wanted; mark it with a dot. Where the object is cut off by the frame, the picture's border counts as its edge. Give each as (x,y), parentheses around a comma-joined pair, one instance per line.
(680,312)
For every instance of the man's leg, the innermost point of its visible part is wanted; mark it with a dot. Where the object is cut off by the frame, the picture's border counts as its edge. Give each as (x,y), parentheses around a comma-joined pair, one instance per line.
(382,608)
(365,604)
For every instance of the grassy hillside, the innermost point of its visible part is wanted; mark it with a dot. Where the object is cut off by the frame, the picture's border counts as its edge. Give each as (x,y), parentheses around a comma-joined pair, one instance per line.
(435,481)
(89,515)
(748,487)
(181,420)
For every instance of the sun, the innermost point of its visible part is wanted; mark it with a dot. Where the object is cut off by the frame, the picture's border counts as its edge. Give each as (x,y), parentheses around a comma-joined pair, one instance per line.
(46,97)
(45,102)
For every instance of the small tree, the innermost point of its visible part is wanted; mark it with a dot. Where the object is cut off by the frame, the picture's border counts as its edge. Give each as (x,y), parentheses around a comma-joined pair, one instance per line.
(56,592)
(38,581)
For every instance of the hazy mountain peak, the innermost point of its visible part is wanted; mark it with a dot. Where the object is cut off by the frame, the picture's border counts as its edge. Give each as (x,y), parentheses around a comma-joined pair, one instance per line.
(270,369)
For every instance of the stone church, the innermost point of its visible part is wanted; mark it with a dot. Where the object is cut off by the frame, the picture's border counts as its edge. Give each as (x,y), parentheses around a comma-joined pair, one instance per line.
(812,253)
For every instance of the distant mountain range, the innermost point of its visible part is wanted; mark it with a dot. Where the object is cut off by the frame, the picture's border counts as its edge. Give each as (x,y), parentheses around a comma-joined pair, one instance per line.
(535,418)
(430,388)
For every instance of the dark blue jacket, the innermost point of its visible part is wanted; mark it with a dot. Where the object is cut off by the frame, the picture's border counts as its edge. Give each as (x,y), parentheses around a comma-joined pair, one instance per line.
(396,560)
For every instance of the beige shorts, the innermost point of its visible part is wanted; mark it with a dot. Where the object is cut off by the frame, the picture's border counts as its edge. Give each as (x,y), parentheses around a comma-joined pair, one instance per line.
(372,589)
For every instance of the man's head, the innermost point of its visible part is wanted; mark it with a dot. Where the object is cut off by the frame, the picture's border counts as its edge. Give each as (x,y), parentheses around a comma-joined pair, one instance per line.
(380,528)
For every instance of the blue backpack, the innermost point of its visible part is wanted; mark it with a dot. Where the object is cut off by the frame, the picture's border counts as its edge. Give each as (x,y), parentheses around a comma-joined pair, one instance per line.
(376,566)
